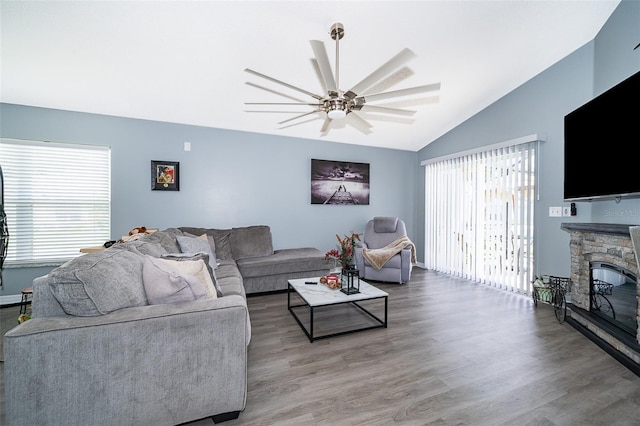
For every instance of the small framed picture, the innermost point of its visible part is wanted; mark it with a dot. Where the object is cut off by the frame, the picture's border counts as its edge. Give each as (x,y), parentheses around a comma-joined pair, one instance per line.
(165,175)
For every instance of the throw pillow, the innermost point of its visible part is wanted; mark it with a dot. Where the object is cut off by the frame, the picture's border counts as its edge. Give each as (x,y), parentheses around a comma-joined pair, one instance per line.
(221,247)
(197,245)
(168,281)
(206,237)
(198,256)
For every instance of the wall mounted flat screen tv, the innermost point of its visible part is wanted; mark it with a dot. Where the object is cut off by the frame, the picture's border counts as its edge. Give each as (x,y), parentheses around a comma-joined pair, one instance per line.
(600,139)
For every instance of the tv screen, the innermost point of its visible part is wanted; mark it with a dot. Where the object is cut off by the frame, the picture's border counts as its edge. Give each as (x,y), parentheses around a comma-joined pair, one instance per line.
(600,139)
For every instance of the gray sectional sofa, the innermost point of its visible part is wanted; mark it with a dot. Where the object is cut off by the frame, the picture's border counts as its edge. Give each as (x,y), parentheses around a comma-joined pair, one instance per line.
(150,332)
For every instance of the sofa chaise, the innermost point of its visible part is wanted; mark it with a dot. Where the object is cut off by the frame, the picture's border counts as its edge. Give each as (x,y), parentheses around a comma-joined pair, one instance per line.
(149,332)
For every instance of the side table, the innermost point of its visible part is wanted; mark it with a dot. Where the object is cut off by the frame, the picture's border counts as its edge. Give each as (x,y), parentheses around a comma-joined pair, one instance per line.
(25,309)
(91,249)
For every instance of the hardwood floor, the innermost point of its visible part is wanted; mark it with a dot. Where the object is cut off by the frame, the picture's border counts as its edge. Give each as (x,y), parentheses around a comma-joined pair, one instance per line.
(455,353)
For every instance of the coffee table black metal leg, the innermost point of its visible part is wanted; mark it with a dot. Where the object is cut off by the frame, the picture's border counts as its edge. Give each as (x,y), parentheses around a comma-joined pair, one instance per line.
(311,324)
(295,316)
(386,303)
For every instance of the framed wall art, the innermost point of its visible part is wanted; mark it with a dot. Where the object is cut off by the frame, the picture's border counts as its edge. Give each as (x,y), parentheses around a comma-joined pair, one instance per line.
(165,175)
(339,182)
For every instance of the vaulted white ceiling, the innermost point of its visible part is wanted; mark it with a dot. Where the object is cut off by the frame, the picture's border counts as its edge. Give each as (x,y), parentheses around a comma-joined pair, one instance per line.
(184,61)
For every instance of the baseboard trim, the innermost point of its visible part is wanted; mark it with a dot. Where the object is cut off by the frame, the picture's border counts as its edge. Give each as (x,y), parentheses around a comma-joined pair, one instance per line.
(12,299)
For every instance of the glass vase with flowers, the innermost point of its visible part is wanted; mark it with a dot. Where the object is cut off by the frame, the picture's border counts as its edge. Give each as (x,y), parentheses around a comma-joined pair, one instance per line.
(345,251)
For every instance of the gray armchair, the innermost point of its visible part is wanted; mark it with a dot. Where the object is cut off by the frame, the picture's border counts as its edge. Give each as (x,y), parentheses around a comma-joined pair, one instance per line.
(382,237)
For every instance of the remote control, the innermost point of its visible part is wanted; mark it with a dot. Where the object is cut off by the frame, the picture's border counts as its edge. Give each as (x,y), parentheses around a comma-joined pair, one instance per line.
(310,282)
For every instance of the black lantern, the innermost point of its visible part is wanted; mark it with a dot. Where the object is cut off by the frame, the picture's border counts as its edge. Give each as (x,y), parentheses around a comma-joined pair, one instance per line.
(350,281)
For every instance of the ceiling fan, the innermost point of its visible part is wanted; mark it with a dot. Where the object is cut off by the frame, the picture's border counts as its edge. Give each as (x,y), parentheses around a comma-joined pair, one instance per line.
(337,104)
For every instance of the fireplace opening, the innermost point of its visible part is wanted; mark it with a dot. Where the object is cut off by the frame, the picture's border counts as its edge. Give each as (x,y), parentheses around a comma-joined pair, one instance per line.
(612,295)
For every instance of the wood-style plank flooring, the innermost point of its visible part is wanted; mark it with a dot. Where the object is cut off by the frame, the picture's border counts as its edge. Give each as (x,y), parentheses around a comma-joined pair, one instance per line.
(455,353)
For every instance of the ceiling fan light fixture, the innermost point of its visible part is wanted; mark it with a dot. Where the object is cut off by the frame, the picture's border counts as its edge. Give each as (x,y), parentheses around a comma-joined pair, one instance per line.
(336,109)
(336,114)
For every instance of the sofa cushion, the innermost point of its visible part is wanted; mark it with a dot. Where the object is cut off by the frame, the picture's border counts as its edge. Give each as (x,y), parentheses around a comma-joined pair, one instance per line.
(195,245)
(99,283)
(283,262)
(251,241)
(229,278)
(171,281)
(198,256)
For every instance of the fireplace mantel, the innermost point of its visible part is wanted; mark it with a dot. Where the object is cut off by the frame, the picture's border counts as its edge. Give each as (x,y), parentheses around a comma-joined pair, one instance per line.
(597,228)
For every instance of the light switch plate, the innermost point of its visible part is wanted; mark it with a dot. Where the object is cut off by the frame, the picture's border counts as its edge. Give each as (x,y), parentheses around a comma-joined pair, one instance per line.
(555,211)
(566,211)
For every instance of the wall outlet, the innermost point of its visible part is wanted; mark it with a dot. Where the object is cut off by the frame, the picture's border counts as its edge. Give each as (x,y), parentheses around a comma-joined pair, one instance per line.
(566,211)
(555,211)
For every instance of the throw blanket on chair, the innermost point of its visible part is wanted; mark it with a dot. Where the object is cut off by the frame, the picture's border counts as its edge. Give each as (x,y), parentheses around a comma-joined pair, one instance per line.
(378,257)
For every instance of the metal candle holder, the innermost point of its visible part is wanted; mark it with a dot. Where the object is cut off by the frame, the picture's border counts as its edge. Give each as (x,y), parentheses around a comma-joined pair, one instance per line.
(350,281)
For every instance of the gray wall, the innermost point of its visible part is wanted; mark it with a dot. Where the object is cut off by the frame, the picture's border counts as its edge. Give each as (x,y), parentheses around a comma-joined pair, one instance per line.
(539,106)
(616,60)
(228,178)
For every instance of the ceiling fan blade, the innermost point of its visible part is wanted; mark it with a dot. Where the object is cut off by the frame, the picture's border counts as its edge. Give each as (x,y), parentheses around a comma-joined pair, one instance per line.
(395,78)
(313,95)
(324,131)
(298,116)
(323,63)
(272,112)
(300,122)
(273,91)
(318,73)
(402,92)
(412,102)
(358,123)
(386,118)
(380,73)
(387,110)
(282,103)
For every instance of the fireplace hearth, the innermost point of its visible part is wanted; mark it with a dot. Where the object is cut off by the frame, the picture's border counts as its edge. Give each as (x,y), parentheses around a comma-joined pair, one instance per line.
(605,290)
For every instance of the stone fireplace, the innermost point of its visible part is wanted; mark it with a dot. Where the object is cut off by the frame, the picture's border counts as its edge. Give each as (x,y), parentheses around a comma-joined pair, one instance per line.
(594,246)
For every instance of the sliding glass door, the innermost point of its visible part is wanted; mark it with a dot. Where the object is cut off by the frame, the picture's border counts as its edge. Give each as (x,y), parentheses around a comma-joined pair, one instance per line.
(479,215)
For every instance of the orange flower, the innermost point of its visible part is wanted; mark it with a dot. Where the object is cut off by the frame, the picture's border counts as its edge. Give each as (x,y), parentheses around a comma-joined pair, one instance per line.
(346,249)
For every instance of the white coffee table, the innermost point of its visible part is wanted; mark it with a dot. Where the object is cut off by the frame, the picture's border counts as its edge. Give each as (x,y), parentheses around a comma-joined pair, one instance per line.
(319,295)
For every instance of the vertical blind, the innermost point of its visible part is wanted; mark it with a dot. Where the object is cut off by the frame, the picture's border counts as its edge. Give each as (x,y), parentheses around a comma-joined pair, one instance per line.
(479,216)
(57,199)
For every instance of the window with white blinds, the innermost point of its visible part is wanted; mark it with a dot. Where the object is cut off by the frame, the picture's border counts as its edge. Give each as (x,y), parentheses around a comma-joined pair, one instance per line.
(479,210)
(57,198)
